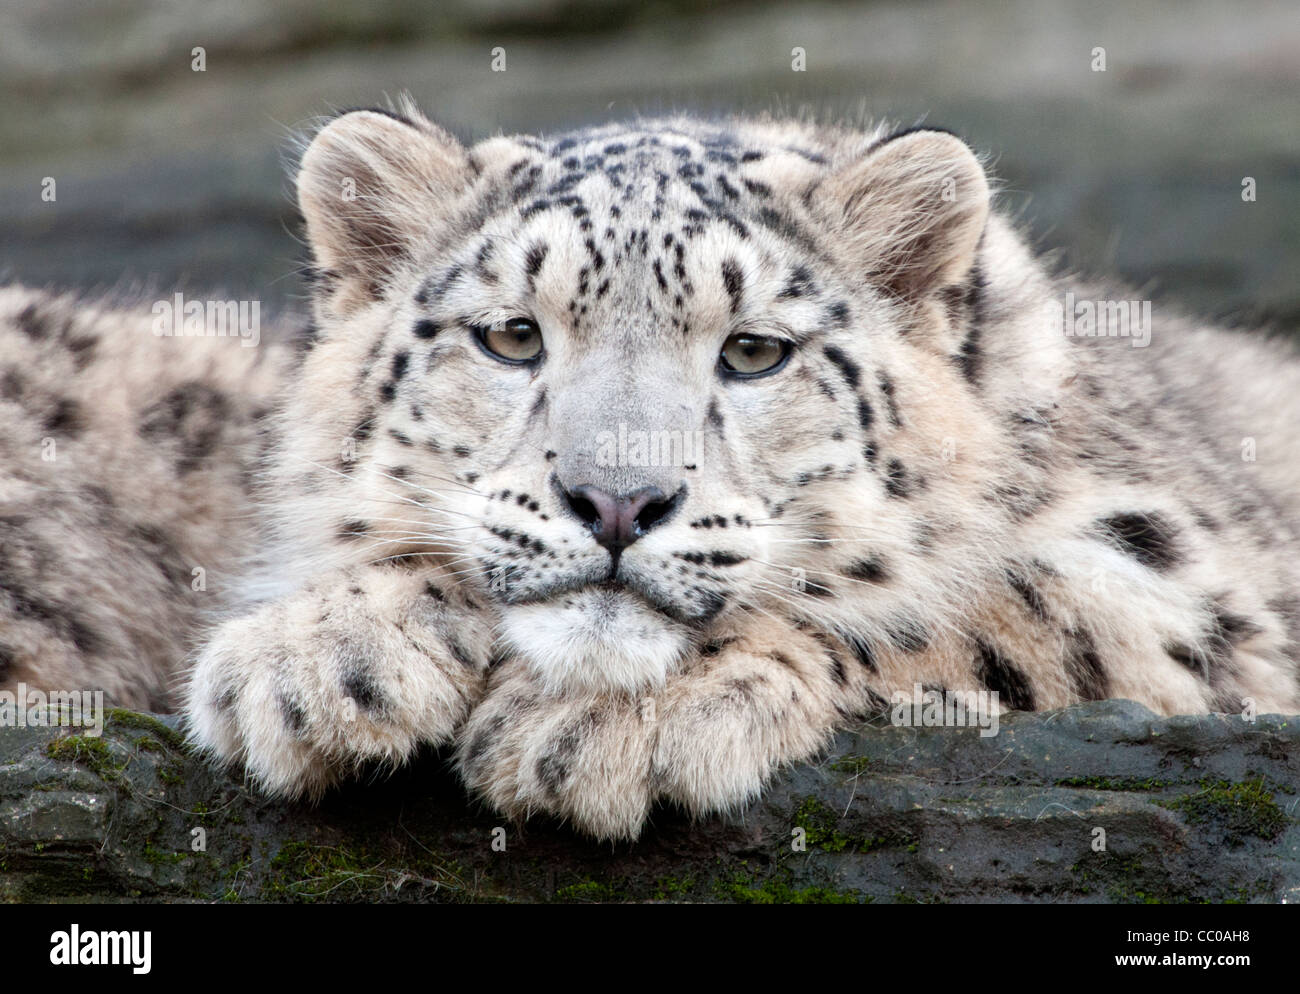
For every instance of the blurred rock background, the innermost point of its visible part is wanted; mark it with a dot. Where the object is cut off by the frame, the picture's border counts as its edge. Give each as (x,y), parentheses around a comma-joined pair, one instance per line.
(175,179)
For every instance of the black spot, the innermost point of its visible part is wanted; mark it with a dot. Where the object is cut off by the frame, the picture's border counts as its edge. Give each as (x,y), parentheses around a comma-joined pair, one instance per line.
(353,529)
(1003,677)
(896,481)
(295,718)
(872,569)
(970,356)
(864,651)
(65,419)
(1028,593)
(1147,537)
(714,415)
(533,260)
(865,414)
(710,604)
(815,589)
(733,281)
(908,635)
(400,361)
(1087,674)
(659,275)
(32,322)
(837,314)
(798,284)
(848,368)
(82,348)
(426,329)
(726,559)
(1224,631)
(460,653)
(555,766)
(194,415)
(11,384)
(1185,655)
(359,684)
(887,388)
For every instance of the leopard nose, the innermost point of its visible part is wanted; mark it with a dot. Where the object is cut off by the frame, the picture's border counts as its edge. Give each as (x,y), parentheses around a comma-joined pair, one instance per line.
(617,522)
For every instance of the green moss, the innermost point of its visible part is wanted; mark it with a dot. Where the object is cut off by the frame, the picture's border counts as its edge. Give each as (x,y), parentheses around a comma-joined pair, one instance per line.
(819,825)
(160,857)
(122,718)
(1116,783)
(1240,808)
(821,829)
(303,871)
(171,775)
(856,765)
(1126,880)
(673,888)
(587,892)
(147,743)
(90,752)
(740,889)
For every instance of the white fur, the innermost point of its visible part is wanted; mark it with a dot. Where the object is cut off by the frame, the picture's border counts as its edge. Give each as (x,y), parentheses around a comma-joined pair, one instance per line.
(599,641)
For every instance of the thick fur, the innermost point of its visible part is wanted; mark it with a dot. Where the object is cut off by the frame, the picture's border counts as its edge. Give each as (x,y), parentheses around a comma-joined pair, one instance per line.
(939,487)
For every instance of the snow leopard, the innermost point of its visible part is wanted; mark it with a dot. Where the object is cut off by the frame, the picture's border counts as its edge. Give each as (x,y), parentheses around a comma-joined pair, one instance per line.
(629,464)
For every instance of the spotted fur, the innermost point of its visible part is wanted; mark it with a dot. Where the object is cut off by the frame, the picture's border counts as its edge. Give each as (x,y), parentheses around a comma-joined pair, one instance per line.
(936,487)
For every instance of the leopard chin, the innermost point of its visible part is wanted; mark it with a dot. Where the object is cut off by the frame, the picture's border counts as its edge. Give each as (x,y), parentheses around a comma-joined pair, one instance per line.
(598,639)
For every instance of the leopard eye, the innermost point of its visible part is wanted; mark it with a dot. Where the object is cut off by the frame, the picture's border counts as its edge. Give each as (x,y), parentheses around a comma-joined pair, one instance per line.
(753,355)
(518,340)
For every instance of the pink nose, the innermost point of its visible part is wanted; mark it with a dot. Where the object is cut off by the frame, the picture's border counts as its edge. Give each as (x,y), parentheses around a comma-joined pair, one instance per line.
(617,522)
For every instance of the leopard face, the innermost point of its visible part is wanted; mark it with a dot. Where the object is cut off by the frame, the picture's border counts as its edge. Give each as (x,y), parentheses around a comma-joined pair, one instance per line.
(621,381)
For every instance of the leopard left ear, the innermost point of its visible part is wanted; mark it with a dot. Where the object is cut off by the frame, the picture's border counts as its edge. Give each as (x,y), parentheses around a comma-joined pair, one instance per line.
(371,185)
(912,210)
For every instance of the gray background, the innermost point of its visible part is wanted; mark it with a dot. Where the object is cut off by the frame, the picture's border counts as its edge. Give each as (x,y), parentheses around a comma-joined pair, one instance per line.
(174,179)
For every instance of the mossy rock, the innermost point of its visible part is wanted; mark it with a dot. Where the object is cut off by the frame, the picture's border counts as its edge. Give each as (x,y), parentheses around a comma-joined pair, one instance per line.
(1192,810)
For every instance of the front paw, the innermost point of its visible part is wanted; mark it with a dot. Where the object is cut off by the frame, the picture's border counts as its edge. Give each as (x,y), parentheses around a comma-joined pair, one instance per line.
(730,722)
(585,759)
(363,668)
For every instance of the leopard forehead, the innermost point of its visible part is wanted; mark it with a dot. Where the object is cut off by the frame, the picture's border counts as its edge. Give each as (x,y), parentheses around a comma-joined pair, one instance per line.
(672,226)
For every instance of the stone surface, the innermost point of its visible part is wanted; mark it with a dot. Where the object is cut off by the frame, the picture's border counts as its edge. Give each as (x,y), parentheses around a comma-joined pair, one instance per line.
(1193,809)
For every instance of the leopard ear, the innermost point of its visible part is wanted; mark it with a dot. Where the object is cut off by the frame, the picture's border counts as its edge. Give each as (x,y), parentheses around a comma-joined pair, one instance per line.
(369,184)
(912,210)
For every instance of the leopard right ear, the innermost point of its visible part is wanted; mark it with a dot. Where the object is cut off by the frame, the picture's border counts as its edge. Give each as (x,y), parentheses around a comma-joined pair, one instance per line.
(911,211)
(370,184)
